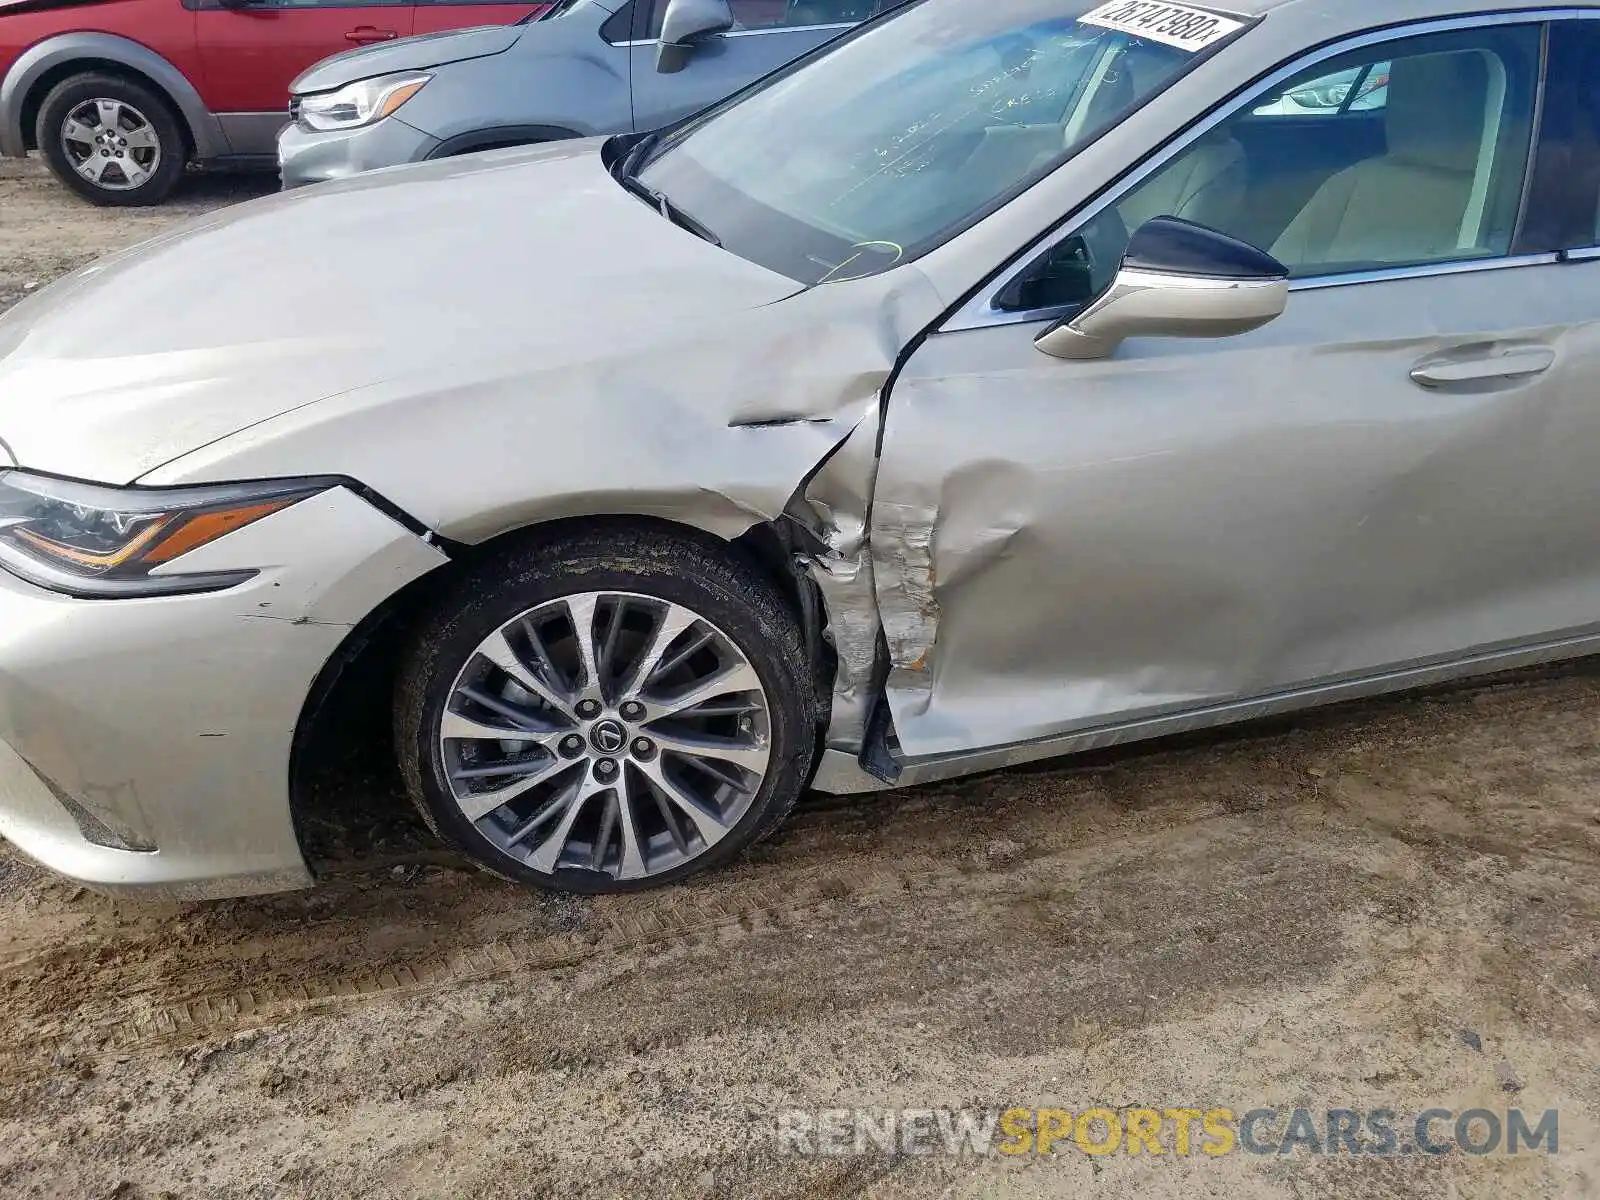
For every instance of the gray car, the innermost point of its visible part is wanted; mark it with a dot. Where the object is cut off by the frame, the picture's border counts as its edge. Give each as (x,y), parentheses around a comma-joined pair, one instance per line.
(585,67)
(1013,379)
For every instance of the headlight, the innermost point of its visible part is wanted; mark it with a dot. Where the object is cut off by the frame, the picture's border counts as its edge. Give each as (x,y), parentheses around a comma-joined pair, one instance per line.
(360,103)
(1330,96)
(88,540)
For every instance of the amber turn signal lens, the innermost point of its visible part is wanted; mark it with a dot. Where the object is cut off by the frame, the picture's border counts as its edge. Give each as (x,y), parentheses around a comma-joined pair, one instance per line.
(208,527)
(398,97)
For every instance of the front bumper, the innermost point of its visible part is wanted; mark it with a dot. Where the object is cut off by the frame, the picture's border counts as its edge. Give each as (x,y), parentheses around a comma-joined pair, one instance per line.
(306,157)
(145,744)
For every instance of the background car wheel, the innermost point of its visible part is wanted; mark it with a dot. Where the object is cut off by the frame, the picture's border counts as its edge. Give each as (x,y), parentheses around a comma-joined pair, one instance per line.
(111,140)
(607,711)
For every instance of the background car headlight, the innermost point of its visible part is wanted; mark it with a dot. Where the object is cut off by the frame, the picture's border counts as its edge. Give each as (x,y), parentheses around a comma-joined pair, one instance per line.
(88,540)
(357,104)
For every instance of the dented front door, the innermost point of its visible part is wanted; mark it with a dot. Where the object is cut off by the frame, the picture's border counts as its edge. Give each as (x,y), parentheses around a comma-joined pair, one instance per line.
(1062,546)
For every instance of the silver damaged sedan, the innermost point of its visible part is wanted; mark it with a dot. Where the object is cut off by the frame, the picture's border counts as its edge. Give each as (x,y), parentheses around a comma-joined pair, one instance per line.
(1013,379)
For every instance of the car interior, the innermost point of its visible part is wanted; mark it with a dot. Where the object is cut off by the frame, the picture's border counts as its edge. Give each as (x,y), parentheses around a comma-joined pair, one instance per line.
(1433,174)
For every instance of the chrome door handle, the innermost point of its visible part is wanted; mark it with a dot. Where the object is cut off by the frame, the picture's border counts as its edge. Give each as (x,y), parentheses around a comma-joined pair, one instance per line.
(1507,362)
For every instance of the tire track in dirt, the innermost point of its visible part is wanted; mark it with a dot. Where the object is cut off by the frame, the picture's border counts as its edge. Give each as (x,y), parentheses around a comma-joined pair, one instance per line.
(239,1010)
(645,928)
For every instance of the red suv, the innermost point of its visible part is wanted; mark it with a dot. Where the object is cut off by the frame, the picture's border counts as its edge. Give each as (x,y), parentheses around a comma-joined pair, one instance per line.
(119,95)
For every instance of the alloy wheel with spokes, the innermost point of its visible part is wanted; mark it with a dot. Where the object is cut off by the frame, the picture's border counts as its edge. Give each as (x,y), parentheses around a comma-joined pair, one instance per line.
(113,140)
(606,731)
(111,144)
(607,709)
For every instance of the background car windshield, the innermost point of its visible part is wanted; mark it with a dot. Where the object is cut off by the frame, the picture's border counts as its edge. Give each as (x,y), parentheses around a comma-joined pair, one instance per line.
(881,149)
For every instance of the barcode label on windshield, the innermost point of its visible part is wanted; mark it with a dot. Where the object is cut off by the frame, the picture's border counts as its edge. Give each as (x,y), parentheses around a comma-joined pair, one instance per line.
(1179,25)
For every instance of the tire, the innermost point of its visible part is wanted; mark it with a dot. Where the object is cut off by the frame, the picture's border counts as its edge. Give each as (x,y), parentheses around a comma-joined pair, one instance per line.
(146,132)
(705,784)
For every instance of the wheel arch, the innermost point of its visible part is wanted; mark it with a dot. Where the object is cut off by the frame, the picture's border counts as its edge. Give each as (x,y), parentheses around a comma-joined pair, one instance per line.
(45,64)
(499,137)
(355,688)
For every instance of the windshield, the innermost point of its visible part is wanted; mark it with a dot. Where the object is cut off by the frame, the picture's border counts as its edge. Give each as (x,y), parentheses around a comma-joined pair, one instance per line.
(876,152)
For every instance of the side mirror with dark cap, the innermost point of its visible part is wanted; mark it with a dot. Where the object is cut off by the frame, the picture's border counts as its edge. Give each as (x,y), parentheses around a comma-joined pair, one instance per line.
(1177,279)
(683,24)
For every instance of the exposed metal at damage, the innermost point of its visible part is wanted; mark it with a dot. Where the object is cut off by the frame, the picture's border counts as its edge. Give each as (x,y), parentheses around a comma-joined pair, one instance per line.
(903,537)
(834,505)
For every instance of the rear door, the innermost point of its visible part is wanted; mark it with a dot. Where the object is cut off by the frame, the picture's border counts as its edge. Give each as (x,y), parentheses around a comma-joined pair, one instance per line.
(766,35)
(436,16)
(250,53)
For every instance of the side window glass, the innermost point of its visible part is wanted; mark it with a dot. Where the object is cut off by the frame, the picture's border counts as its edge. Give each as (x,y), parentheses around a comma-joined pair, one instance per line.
(1359,90)
(299,4)
(1406,154)
(758,14)
(1564,201)
(783,14)
(806,12)
(618,27)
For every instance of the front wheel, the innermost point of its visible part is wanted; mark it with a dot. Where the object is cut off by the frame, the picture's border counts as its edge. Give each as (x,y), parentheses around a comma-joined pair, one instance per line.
(112,141)
(607,711)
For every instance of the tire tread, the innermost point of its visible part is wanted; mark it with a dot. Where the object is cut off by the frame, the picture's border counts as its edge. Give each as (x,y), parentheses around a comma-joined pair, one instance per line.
(537,565)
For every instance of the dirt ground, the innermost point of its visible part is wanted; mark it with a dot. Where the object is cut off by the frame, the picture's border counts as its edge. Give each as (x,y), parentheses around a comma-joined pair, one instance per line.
(1391,905)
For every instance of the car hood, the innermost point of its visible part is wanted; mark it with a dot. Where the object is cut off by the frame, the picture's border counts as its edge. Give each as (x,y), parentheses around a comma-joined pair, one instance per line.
(407,54)
(532,255)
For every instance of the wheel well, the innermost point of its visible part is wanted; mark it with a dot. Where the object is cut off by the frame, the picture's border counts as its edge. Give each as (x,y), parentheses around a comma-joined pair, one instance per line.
(34,100)
(476,147)
(352,697)
(499,139)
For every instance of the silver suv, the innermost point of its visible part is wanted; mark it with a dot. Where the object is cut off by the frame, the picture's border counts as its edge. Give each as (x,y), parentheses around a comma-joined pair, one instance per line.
(584,67)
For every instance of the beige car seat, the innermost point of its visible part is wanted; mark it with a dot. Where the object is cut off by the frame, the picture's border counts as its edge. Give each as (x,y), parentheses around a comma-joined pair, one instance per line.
(1425,198)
